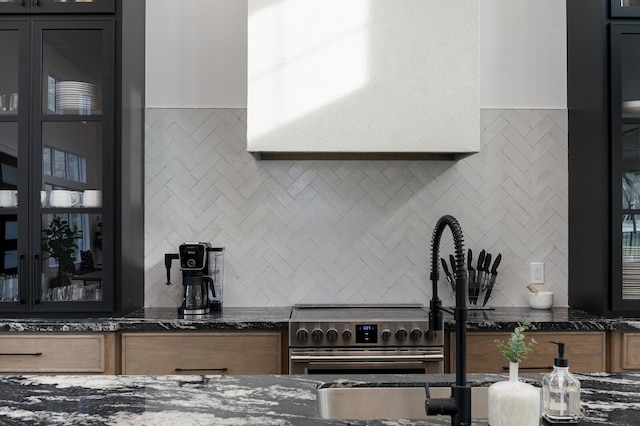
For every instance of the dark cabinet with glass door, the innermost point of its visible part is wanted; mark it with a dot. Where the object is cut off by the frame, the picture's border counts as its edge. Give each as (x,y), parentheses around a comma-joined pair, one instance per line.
(603,97)
(625,164)
(71,234)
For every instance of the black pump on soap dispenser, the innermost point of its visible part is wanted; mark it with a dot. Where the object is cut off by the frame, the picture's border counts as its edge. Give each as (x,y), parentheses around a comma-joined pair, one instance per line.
(560,393)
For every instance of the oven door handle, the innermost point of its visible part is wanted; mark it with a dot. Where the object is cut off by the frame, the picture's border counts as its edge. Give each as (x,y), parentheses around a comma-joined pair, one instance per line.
(342,358)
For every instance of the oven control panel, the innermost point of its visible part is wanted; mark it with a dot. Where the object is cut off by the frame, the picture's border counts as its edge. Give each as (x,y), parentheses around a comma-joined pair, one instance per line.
(349,334)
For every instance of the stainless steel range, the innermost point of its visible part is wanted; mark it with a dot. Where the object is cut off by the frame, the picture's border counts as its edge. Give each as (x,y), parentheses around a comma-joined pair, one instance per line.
(326,339)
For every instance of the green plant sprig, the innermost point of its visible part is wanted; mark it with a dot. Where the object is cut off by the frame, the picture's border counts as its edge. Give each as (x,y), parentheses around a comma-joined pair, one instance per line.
(515,349)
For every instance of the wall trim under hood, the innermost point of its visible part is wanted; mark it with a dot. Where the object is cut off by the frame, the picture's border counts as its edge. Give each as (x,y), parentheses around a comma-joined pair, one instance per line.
(363,156)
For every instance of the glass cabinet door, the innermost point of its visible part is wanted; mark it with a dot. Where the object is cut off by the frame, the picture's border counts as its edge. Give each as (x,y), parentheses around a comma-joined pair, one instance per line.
(57,6)
(72,153)
(14,6)
(73,6)
(13,166)
(622,8)
(625,97)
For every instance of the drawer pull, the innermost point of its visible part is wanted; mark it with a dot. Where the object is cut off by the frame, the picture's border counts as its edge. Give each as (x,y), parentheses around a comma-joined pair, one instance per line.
(201,369)
(21,354)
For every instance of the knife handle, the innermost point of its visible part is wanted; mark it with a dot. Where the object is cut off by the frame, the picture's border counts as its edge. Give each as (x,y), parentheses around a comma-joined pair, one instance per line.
(481,260)
(444,266)
(496,263)
(487,262)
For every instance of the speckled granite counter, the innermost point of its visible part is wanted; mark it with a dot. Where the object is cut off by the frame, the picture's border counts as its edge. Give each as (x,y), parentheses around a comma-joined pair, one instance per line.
(611,399)
(276,318)
(230,318)
(506,319)
(148,319)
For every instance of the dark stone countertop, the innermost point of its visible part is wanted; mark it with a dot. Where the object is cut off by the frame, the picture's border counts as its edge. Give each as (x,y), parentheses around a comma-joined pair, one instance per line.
(277,318)
(557,319)
(158,319)
(267,318)
(607,399)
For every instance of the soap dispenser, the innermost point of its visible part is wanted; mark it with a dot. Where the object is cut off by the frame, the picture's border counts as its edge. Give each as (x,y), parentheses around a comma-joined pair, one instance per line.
(560,393)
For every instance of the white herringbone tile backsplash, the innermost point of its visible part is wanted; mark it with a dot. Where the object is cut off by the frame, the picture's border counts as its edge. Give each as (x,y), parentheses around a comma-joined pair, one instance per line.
(352,231)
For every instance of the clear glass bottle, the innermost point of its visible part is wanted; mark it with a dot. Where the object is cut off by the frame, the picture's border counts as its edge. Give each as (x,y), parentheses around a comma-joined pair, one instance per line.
(560,393)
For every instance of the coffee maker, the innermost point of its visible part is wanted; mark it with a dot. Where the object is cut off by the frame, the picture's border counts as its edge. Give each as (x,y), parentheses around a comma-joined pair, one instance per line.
(202,268)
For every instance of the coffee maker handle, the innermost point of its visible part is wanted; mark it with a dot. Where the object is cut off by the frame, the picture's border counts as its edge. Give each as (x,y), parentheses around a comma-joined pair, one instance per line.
(209,282)
(168,258)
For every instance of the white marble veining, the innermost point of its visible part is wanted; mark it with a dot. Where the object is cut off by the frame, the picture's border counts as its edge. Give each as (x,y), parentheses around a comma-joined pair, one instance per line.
(607,399)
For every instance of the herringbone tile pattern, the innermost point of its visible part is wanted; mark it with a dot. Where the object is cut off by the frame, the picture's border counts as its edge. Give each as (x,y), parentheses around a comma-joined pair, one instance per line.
(352,231)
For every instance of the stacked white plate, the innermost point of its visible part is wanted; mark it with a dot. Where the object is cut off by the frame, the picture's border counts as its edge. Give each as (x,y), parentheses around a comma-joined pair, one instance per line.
(630,272)
(76,97)
(632,107)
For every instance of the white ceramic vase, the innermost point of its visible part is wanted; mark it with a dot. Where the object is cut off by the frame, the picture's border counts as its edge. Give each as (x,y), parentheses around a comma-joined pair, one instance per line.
(513,402)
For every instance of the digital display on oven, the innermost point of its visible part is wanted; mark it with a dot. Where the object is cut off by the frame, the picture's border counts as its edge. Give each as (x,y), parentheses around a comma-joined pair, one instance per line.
(366,333)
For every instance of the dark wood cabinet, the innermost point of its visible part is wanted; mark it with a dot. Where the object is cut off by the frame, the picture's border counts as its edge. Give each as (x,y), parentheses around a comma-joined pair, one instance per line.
(603,99)
(71,156)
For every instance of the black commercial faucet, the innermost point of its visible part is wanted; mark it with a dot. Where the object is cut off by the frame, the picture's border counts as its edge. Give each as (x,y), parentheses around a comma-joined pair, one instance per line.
(458,406)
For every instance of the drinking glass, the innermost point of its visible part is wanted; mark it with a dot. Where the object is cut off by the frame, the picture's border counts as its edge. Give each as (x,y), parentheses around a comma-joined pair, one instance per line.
(13,102)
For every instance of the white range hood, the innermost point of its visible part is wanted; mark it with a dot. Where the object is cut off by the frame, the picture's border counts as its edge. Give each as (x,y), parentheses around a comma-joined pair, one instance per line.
(363,79)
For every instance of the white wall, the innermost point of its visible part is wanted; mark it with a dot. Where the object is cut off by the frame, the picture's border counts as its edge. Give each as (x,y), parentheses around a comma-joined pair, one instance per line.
(523,54)
(196,54)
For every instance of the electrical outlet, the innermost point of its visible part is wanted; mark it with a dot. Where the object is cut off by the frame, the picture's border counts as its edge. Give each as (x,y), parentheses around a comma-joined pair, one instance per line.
(537,272)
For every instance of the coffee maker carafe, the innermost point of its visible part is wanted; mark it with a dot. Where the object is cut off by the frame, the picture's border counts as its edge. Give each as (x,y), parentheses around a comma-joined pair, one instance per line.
(199,263)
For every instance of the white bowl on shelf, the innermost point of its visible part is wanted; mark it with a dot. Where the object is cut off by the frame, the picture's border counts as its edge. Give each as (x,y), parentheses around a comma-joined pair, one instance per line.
(541,300)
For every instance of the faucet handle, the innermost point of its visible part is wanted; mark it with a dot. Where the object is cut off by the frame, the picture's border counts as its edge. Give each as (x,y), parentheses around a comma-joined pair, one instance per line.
(439,406)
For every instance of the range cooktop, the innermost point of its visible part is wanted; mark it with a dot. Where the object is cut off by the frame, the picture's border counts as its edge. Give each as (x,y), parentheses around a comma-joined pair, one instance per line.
(358,312)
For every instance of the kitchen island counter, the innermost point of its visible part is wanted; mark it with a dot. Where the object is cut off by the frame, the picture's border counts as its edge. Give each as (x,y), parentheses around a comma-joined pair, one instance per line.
(608,399)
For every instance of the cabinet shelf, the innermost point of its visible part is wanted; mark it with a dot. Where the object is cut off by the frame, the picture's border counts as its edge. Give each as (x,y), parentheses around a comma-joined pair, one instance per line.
(68,210)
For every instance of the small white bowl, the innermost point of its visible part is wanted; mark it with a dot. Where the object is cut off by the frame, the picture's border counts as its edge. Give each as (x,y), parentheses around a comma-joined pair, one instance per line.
(541,300)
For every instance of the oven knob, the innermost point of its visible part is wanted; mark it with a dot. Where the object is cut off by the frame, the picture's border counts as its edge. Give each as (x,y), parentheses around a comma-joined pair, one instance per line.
(332,334)
(430,334)
(415,334)
(316,334)
(386,334)
(401,334)
(346,335)
(302,334)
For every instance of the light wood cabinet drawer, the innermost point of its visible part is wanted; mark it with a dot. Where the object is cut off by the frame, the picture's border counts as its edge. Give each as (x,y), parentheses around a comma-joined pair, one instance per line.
(625,351)
(56,353)
(201,353)
(586,352)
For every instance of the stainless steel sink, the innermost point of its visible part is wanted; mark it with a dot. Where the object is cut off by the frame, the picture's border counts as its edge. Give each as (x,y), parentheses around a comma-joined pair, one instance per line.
(388,402)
